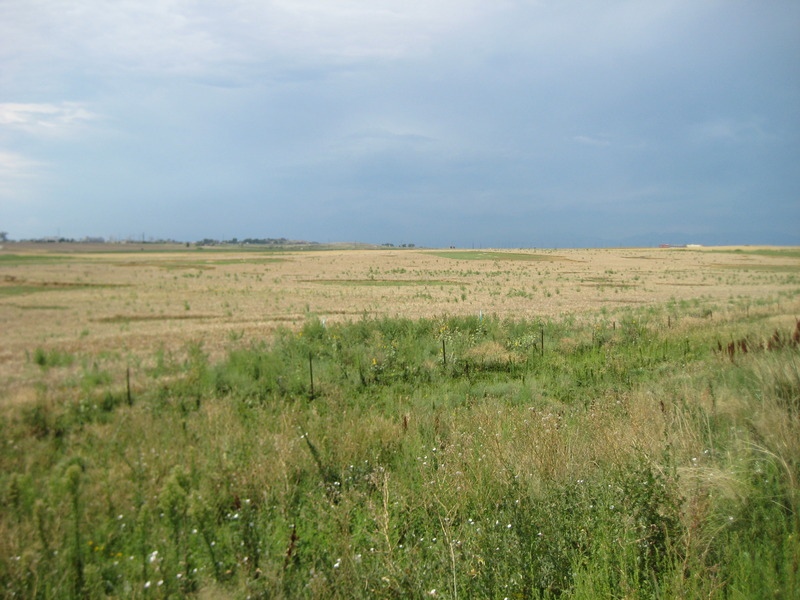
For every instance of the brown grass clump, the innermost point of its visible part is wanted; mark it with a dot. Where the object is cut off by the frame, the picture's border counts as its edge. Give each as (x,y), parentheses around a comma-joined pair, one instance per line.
(492,355)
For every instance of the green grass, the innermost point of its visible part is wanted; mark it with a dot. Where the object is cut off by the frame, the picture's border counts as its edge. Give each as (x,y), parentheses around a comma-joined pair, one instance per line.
(52,358)
(457,457)
(26,259)
(776,253)
(20,290)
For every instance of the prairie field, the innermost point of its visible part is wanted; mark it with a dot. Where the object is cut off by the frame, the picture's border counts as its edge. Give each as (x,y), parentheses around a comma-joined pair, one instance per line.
(399,422)
(130,303)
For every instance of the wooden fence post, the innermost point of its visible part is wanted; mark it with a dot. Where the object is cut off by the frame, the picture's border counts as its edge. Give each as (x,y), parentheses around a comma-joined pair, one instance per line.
(311,375)
(128,386)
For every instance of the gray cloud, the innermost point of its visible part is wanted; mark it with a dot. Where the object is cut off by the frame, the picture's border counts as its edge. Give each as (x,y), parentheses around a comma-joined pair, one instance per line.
(445,121)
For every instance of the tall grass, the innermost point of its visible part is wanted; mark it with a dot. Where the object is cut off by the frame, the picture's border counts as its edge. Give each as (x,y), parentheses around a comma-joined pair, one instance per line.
(450,457)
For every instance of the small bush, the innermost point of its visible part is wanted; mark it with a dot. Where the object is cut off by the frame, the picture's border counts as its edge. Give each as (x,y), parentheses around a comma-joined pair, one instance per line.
(52,358)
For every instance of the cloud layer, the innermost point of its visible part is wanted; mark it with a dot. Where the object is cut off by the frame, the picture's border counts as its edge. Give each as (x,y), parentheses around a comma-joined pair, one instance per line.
(439,122)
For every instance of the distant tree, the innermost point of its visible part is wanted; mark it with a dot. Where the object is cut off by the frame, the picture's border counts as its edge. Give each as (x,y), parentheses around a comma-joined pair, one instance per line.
(3,236)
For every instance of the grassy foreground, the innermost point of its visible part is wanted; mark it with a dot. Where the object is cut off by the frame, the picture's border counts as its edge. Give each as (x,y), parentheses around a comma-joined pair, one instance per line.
(460,457)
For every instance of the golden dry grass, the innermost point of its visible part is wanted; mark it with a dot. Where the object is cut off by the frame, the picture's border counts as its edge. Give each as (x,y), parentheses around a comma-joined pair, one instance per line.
(128,303)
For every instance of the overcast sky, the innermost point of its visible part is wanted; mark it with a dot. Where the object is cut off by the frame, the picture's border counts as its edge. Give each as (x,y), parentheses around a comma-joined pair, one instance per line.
(503,123)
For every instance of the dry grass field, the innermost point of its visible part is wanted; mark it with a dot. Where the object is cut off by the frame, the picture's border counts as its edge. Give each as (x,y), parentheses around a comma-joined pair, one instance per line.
(345,423)
(128,301)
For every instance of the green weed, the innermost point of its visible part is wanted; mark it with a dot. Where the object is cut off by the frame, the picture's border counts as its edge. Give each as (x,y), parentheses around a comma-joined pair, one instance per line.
(471,457)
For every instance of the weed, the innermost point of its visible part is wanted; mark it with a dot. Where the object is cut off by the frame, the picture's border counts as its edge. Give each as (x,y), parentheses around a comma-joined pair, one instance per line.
(573,457)
(52,358)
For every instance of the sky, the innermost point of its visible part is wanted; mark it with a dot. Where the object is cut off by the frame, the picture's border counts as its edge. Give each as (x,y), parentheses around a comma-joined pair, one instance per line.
(492,123)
